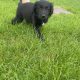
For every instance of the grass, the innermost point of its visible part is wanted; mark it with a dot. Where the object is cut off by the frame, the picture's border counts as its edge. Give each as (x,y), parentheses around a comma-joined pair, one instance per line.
(24,57)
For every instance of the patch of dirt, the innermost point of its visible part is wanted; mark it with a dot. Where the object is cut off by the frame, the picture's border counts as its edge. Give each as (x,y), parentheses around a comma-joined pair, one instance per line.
(61,11)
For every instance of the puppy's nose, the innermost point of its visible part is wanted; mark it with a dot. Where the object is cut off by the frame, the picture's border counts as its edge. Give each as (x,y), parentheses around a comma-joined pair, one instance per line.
(43,16)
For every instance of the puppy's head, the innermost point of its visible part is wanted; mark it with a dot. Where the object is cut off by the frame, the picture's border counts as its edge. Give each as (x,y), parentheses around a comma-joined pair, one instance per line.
(43,10)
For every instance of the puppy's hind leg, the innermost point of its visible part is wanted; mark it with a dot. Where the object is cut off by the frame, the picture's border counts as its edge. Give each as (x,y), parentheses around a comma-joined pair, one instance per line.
(18,18)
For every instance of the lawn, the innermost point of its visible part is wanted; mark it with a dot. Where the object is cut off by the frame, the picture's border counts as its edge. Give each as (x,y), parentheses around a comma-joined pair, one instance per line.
(24,57)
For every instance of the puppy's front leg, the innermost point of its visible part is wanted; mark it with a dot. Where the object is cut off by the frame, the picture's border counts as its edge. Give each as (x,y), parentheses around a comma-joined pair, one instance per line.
(39,34)
(37,28)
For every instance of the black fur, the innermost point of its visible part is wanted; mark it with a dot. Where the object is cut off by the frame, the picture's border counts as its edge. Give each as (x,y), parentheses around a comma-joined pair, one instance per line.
(35,13)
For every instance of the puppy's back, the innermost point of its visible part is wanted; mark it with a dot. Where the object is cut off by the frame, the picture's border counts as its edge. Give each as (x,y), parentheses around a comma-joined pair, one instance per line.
(26,10)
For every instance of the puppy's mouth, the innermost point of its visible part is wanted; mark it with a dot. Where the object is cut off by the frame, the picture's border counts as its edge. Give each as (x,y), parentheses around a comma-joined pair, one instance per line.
(44,20)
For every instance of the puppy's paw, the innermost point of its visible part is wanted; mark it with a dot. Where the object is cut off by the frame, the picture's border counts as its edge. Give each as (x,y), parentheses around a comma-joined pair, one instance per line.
(13,22)
(42,38)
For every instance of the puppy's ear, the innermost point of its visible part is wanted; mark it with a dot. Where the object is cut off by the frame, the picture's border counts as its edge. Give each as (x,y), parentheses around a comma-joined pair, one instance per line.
(35,7)
(51,9)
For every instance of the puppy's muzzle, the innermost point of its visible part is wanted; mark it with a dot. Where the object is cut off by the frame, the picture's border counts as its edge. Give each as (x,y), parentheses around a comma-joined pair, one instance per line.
(44,18)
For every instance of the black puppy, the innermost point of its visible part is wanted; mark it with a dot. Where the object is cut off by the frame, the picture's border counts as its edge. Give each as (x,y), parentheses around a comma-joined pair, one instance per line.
(37,14)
